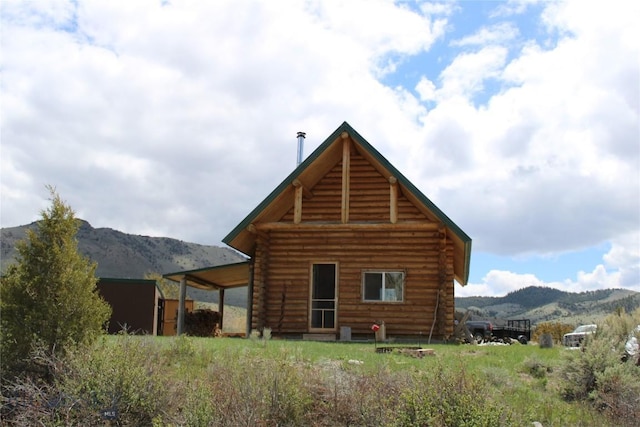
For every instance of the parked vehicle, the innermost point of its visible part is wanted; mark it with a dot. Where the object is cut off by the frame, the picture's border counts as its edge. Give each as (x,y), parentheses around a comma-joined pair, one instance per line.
(516,329)
(485,331)
(575,338)
(480,330)
(632,347)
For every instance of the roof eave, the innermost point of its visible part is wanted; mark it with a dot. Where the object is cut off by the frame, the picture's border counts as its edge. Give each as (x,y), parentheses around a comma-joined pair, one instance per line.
(232,238)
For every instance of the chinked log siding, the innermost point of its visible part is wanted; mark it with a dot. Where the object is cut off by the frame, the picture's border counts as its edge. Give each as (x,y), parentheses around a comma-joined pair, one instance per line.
(286,276)
(347,205)
(368,197)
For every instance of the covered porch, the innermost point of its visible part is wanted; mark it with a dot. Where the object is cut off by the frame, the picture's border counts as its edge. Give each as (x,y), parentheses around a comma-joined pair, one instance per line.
(216,278)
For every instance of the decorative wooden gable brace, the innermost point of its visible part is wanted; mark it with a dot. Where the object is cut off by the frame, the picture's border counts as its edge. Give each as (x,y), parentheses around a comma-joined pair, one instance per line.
(298,187)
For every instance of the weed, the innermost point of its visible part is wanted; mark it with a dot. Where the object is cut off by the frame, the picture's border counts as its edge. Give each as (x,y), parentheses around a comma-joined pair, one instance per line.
(535,367)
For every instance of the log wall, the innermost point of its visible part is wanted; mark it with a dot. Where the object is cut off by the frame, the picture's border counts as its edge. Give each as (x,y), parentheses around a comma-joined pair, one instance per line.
(360,195)
(368,201)
(286,296)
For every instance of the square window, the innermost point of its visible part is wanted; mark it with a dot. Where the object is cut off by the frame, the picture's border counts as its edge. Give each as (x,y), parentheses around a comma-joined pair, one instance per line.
(373,286)
(385,286)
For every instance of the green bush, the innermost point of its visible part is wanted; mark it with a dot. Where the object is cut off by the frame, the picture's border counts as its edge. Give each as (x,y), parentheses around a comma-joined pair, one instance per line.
(450,397)
(123,377)
(555,329)
(535,367)
(597,374)
(251,389)
(120,380)
(48,300)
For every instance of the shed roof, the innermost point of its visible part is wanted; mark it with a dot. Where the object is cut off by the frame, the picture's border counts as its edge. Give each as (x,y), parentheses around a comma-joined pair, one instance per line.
(129,281)
(311,170)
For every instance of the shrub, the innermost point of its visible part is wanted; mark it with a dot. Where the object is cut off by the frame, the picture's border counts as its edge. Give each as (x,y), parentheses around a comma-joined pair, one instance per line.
(450,397)
(247,390)
(120,381)
(351,395)
(555,329)
(536,367)
(124,377)
(596,373)
(48,299)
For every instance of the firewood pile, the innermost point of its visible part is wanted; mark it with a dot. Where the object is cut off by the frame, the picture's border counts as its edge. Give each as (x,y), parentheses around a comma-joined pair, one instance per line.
(202,323)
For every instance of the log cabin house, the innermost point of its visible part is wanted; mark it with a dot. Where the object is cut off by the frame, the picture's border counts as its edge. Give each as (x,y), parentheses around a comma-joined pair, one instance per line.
(346,241)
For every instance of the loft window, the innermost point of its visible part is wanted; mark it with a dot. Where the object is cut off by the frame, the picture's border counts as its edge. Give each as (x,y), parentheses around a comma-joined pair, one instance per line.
(385,286)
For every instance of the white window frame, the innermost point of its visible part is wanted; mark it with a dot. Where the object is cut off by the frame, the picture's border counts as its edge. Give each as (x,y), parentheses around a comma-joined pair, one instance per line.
(383,273)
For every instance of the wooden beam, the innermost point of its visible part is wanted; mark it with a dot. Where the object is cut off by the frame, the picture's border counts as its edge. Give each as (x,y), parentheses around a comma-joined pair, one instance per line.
(346,166)
(305,191)
(208,285)
(297,206)
(442,278)
(267,226)
(249,324)
(393,202)
(251,228)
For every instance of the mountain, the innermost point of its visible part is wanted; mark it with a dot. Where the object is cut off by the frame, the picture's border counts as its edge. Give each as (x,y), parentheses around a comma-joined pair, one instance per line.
(122,255)
(542,304)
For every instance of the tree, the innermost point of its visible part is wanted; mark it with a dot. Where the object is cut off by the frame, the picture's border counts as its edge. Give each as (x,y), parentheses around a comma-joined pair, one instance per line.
(48,298)
(169,289)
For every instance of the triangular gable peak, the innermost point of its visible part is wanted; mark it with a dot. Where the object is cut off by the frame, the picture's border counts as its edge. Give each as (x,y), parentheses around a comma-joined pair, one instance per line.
(346,182)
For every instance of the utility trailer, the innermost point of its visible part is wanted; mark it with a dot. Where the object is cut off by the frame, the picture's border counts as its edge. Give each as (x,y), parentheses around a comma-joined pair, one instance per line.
(517,329)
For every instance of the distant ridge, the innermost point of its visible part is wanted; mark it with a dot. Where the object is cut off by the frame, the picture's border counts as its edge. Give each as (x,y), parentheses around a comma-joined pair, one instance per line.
(122,255)
(129,256)
(540,304)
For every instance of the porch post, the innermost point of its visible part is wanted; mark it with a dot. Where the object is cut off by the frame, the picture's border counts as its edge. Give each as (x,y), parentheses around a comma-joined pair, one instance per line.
(250,301)
(221,306)
(183,296)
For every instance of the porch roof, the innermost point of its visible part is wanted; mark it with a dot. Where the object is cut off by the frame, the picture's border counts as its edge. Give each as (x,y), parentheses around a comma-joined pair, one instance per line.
(214,278)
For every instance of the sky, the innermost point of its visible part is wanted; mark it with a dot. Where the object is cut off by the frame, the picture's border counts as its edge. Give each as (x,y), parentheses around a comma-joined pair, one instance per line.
(519,120)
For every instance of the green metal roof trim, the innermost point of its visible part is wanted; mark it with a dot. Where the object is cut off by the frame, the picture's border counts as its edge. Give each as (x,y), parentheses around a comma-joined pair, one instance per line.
(345,127)
(199,270)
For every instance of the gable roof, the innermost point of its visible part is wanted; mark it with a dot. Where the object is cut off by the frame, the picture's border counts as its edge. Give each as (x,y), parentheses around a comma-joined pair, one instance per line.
(314,167)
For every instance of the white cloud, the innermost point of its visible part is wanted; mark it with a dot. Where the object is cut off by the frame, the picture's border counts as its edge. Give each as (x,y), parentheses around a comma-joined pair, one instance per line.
(466,74)
(500,282)
(620,269)
(624,257)
(188,103)
(551,162)
(177,119)
(498,34)
(426,89)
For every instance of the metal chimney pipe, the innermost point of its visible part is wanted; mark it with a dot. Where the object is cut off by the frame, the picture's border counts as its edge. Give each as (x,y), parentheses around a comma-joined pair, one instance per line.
(301,136)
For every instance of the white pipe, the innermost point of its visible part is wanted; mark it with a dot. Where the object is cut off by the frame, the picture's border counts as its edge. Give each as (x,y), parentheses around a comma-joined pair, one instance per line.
(301,136)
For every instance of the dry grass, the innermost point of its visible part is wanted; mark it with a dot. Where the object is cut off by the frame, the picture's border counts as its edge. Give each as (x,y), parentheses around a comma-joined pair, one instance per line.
(231,382)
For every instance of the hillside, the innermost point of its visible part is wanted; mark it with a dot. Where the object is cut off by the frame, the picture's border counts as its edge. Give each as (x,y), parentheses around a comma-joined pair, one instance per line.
(542,304)
(122,255)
